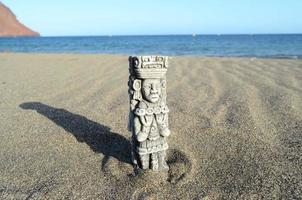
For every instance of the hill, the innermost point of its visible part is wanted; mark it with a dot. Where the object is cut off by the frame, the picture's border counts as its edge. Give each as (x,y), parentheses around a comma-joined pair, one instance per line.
(11,27)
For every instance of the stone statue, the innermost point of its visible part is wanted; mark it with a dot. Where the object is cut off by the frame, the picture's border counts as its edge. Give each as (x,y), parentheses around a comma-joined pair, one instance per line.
(148,116)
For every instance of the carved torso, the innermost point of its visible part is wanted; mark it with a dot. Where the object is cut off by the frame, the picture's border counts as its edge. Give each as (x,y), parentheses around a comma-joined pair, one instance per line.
(152,118)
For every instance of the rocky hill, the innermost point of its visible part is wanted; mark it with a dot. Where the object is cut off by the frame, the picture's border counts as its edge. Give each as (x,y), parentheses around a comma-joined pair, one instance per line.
(10,26)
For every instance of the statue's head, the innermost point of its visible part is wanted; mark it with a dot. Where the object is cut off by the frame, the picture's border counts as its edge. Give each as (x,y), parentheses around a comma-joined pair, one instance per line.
(151,89)
(148,75)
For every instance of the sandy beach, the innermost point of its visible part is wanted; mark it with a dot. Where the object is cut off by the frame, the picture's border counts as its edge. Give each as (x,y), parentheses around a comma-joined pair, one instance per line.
(236,129)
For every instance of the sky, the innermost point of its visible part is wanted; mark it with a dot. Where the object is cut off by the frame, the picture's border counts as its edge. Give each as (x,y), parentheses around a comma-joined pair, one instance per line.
(157,17)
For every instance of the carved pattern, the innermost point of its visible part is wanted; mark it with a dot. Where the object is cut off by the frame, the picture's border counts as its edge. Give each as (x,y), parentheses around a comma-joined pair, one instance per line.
(148,116)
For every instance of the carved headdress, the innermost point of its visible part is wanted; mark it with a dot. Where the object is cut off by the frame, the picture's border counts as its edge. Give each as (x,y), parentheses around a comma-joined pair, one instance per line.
(144,67)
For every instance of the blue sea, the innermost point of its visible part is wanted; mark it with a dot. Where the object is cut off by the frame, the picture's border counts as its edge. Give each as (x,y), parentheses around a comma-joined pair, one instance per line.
(264,46)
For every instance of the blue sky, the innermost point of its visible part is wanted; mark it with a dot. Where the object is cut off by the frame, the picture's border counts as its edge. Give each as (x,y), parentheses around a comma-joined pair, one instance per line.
(137,17)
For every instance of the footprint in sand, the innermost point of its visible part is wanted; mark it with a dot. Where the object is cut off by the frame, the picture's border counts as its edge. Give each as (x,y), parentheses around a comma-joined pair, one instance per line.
(180,166)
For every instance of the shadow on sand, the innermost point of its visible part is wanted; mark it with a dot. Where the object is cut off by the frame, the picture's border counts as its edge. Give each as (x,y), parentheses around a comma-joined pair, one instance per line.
(97,136)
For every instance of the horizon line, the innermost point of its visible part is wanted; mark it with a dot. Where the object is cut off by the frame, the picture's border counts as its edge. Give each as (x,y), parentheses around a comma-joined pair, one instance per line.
(187,34)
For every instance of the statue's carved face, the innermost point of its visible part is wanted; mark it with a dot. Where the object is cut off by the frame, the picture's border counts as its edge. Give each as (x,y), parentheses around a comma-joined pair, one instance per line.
(151,89)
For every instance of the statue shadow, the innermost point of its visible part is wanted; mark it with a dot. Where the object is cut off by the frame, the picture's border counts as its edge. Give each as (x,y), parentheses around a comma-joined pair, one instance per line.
(98,137)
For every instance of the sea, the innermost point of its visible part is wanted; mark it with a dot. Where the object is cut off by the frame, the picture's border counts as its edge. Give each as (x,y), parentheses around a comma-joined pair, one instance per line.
(262,46)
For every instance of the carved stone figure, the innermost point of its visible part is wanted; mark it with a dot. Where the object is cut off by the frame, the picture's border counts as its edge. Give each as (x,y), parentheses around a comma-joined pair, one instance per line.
(148,116)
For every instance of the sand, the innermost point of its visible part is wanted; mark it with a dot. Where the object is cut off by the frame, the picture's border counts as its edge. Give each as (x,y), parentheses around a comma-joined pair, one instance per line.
(236,129)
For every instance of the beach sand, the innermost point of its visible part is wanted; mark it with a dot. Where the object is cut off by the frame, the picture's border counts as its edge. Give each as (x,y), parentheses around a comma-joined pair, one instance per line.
(236,129)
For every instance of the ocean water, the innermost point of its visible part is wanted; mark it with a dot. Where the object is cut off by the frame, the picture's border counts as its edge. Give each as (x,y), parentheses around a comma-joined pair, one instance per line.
(264,46)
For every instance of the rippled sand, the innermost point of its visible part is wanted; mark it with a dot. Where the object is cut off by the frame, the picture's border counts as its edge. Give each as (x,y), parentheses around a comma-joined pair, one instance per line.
(236,129)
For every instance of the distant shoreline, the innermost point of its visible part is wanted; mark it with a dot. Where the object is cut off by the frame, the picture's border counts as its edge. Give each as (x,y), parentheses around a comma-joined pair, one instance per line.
(126,55)
(154,35)
(282,46)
